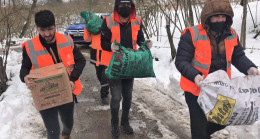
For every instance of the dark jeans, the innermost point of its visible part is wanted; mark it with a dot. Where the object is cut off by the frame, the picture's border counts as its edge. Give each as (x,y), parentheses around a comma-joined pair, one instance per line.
(118,88)
(100,71)
(51,122)
(200,127)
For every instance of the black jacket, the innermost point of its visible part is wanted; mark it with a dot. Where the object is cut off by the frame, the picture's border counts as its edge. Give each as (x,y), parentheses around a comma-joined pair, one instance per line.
(79,59)
(185,54)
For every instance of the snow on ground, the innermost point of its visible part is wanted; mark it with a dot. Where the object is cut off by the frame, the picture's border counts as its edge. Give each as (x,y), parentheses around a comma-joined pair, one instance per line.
(18,116)
(19,119)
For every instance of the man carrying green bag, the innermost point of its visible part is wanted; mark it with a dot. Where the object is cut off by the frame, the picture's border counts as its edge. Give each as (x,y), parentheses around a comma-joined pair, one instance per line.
(125,27)
(130,63)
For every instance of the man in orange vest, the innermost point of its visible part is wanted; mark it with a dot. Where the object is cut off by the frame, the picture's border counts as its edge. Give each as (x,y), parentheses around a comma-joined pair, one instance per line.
(210,46)
(95,56)
(48,48)
(125,27)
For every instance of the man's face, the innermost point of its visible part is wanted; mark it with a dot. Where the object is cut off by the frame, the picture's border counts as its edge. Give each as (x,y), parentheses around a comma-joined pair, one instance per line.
(218,18)
(47,33)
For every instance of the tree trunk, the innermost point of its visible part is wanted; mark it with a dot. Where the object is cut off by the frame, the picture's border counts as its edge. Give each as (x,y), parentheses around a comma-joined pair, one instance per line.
(191,21)
(14,4)
(173,50)
(145,32)
(28,20)
(3,77)
(243,27)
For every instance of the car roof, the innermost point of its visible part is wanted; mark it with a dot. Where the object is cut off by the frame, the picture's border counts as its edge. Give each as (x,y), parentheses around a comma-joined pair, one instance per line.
(102,14)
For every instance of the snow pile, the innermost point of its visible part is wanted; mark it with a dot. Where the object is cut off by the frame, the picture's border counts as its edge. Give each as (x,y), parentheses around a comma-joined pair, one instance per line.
(18,116)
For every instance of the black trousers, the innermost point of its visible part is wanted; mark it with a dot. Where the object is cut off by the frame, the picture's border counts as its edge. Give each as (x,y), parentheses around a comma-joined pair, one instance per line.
(119,88)
(200,127)
(100,71)
(51,122)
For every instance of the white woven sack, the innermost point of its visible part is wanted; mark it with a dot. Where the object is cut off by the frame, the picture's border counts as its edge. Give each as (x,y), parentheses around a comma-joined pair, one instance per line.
(230,102)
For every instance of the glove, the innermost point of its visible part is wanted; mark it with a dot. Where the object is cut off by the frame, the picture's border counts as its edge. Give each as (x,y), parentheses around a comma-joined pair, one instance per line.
(114,47)
(253,71)
(149,43)
(197,79)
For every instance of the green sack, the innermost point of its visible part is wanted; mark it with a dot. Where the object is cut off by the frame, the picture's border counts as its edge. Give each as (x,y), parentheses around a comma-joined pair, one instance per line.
(130,63)
(93,22)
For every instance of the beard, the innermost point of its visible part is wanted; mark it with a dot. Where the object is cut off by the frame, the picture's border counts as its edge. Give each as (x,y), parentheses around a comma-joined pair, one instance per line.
(49,39)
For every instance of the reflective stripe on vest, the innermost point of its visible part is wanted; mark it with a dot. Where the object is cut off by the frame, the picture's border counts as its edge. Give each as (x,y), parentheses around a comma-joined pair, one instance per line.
(94,61)
(33,54)
(199,65)
(136,23)
(229,64)
(66,44)
(88,39)
(198,36)
(71,67)
(111,23)
(202,55)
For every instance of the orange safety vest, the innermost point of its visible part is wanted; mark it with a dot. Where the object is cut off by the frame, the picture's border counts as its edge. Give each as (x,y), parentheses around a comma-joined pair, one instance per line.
(95,42)
(115,30)
(202,55)
(40,57)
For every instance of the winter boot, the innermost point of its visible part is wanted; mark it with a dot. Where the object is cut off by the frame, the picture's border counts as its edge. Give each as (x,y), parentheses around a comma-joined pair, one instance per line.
(105,100)
(104,97)
(115,131)
(125,126)
(65,137)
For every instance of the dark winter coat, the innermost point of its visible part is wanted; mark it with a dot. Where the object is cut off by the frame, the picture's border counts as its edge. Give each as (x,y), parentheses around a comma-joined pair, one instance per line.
(186,49)
(185,54)
(79,59)
(125,31)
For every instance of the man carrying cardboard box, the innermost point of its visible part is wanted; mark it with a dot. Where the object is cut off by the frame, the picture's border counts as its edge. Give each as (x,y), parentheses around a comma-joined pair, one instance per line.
(49,48)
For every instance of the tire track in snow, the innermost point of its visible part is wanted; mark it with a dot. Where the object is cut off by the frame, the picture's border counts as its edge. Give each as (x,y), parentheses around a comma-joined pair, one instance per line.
(172,116)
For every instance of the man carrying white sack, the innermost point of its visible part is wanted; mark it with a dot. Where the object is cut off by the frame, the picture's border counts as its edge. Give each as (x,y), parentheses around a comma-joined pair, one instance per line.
(203,49)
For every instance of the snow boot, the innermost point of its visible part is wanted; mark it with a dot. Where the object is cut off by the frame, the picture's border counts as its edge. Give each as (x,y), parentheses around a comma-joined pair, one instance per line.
(65,137)
(115,131)
(125,126)
(105,100)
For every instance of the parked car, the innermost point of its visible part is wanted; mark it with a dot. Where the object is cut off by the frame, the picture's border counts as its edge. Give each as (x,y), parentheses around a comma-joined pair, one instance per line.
(76,30)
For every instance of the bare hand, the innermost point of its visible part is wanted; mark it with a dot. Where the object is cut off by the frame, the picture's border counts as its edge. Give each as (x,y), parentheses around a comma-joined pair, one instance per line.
(72,86)
(197,79)
(149,43)
(253,71)
(114,47)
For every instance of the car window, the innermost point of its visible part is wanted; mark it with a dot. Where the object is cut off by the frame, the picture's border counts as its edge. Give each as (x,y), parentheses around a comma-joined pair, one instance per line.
(80,20)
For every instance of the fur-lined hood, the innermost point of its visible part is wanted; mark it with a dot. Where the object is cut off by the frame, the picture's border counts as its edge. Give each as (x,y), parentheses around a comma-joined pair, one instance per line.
(214,7)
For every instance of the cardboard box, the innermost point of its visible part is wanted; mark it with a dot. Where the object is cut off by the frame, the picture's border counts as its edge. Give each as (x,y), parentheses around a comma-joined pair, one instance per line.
(52,86)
